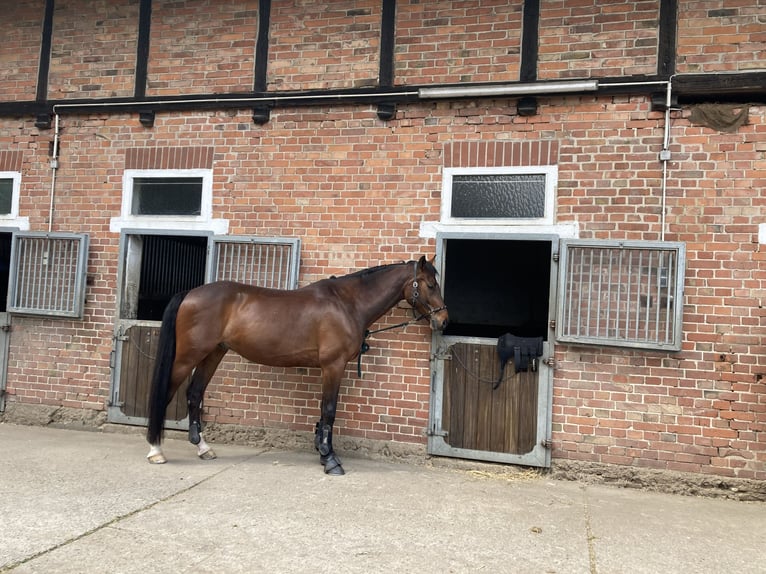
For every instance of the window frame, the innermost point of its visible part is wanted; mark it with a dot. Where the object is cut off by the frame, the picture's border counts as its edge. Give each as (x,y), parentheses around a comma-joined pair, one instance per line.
(202,222)
(673,293)
(551,181)
(74,275)
(15,177)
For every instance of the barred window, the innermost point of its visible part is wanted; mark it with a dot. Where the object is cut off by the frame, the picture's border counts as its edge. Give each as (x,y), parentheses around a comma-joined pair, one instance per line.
(48,274)
(621,293)
(263,261)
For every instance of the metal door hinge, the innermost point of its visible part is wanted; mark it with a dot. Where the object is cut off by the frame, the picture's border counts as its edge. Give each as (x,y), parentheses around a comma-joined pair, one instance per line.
(441,355)
(547,443)
(5,328)
(433,432)
(550,361)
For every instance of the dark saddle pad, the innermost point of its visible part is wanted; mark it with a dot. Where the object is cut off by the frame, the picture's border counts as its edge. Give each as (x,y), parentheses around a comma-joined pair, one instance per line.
(523,351)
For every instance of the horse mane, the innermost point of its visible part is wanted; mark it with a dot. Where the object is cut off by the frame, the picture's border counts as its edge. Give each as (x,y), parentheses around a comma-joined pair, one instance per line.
(363,273)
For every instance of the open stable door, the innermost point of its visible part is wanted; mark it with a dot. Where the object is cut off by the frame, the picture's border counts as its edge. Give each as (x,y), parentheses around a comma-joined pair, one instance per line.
(494,286)
(153,267)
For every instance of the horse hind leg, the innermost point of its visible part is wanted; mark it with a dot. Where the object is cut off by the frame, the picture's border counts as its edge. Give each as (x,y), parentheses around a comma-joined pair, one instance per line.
(199,381)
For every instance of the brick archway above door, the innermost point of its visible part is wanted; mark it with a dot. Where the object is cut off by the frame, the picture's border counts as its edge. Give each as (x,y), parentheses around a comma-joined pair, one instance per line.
(500,153)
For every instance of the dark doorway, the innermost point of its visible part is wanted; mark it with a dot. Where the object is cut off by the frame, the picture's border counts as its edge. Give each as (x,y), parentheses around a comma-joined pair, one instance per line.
(494,287)
(169,264)
(6,240)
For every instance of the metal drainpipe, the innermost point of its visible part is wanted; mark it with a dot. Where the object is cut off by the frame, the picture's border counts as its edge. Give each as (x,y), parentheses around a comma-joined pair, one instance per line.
(54,168)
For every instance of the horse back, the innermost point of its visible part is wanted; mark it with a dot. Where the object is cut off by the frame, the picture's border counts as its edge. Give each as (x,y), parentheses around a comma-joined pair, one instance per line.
(267,326)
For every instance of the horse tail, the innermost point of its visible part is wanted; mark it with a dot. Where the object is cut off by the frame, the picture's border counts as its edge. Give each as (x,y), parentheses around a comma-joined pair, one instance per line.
(163,368)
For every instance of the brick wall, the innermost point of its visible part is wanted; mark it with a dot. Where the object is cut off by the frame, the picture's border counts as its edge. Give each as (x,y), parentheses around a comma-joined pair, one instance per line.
(445,41)
(593,38)
(190,54)
(20,50)
(79,67)
(720,36)
(356,189)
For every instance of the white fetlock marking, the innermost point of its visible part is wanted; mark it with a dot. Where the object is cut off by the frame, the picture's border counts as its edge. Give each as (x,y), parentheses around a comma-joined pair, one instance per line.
(155,455)
(204,451)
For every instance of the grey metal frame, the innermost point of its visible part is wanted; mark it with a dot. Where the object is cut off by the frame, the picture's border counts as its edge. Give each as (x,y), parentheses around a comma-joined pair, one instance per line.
(621,293)
(48,274)
(277,265)
(540,455)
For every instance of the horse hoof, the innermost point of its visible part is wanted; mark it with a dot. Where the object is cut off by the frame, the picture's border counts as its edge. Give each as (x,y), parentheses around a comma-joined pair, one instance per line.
(208,455)
(158,458)
(332,465)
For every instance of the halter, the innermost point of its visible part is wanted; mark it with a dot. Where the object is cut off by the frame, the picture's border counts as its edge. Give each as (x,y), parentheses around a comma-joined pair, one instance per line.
(416,299)
(415,318)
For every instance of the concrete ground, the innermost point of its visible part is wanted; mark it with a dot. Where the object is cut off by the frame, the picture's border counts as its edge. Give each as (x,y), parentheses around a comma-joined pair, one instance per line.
(88,502)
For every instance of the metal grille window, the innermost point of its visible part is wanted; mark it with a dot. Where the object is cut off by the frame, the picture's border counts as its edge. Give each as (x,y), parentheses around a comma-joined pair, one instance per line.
(265,262)
(624,294)
(48,274)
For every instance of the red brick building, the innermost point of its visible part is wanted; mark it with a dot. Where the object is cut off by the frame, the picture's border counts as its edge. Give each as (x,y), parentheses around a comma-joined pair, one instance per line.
(588,173)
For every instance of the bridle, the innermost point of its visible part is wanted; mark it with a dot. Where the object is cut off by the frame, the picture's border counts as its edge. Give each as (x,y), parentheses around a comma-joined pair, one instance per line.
(413,301)
(416,299)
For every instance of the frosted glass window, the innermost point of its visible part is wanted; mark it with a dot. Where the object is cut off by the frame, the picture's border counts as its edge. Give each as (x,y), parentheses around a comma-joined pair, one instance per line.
(518,196)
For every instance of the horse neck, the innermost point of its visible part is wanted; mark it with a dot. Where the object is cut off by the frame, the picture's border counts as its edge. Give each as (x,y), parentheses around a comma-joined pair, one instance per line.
(382,291)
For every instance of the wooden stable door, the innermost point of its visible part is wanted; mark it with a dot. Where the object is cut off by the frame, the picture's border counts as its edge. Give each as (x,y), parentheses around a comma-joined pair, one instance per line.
(470,419)
(478,417)
(138,349)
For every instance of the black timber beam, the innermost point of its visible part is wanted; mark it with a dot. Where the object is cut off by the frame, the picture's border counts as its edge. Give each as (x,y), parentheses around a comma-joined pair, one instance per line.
(688,88)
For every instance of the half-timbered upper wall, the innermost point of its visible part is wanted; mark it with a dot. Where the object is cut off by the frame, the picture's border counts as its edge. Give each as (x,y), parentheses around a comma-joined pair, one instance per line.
(20,49)
(202,47)
(597,38)
(715,36)
(451,42)
(209,46)
(93,49)
(324,45)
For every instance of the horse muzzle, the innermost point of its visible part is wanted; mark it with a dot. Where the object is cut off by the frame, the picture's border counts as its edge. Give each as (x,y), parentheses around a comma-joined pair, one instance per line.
(439,319)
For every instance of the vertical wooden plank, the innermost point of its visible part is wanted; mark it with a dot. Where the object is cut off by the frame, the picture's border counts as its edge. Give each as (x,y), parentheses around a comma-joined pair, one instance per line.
(499,398)
(528,406)
(512,409)
(484,374)
(457,389)
(470,362)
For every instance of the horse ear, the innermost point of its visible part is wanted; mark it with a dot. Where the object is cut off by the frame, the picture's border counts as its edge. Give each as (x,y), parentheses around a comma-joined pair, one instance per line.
(422,262)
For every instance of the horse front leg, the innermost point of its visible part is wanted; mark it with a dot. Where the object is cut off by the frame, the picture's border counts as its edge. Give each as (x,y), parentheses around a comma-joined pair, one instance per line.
(323,434)
(200,379)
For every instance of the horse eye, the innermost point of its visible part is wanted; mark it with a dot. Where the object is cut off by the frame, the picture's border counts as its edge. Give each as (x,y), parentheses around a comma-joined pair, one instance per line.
(430,285)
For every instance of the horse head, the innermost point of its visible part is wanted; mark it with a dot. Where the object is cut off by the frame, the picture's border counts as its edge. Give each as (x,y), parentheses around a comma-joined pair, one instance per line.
(425,294)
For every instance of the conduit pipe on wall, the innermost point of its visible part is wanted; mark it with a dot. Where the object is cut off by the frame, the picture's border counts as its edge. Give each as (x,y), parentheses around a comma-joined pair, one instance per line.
(665,151)
(509,89)
(665,155)
(54,169)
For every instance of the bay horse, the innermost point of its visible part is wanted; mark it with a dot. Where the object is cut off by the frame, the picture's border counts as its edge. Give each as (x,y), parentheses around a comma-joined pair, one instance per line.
(324,324)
